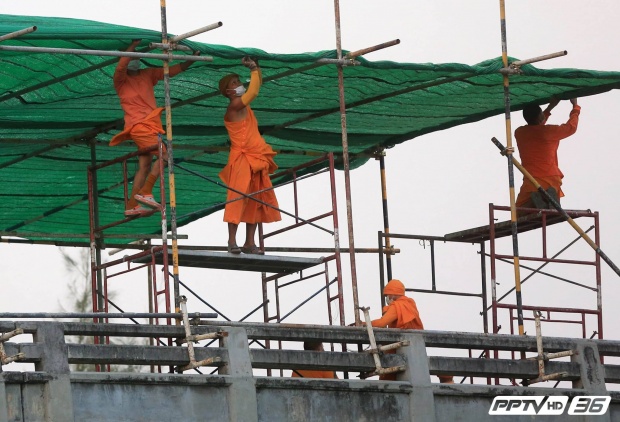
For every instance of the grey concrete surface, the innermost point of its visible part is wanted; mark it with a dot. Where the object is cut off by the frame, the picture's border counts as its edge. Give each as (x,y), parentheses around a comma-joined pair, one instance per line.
(52,393)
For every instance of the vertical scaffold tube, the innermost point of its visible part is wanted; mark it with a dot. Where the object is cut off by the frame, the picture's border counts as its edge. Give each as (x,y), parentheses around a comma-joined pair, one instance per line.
(511,180)
(345,159)
(386,220)
(171,181)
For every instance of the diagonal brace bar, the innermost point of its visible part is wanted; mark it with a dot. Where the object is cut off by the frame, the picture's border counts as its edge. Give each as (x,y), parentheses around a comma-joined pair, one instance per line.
(18,33)
(557,206)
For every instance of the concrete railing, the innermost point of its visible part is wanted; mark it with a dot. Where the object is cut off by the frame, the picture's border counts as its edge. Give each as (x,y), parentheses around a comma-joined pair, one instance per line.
(53,393)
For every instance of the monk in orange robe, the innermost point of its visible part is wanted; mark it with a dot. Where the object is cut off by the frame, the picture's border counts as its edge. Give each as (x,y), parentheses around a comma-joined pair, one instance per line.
(538,147)
(307,373)
(134,87)
(249,164)
(401,312)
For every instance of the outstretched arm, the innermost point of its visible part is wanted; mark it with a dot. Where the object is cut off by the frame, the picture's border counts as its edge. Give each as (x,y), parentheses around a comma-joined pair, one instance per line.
(256,80)
(547,112)
(182,67)
(121,68)
(389,318)
(567,129)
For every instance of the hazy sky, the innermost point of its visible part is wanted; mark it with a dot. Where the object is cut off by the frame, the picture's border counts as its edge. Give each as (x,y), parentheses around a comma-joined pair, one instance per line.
(437,184)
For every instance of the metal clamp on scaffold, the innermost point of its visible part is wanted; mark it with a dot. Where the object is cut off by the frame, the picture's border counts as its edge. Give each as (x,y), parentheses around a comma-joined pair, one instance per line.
(376,351)
(3,356)
(190,339)
(390,250)
(542,357)
(169,46)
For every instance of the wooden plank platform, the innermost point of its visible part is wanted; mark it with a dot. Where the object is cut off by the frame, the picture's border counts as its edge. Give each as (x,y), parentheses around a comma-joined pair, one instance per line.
(504,228)
(241,262)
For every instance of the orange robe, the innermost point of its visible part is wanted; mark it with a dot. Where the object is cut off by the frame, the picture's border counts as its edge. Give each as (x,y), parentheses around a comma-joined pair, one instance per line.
(137,96)
(538,148)
(306,373)
(401,313)
(249,164)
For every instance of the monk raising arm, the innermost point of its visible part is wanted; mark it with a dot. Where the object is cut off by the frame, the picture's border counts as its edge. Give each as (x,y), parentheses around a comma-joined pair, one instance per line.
(236,110)
(120,74)
(547,112)
(570,127)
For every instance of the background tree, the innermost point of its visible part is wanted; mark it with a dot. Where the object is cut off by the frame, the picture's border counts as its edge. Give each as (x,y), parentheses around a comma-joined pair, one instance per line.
(77,267)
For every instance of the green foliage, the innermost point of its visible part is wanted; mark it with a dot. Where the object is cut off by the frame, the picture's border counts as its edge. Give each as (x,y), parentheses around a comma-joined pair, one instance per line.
(79,295)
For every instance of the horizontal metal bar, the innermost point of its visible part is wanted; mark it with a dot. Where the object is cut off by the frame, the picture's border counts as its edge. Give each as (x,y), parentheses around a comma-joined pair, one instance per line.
(559,354)
(18,33)
(84,235)
(549,309)
(181,37)
(565,321)
(277,249)
(412,236)
(101,315)
(571,213)
(83,52)
(387,347)
(445,292)
(341,62)
(558,261)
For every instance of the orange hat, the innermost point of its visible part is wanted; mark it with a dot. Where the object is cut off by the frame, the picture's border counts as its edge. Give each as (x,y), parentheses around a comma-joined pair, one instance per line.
(225,81)
(394,287)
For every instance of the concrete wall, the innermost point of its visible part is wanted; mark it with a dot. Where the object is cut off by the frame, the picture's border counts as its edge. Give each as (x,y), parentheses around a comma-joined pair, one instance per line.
(54,394)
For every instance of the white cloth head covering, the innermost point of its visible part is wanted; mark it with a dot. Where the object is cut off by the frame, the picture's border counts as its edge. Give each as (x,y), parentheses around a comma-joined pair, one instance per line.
(134,64)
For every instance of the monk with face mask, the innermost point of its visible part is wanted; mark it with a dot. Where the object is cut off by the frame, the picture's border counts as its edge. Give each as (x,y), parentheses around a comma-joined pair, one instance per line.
(401,312)
(249,163)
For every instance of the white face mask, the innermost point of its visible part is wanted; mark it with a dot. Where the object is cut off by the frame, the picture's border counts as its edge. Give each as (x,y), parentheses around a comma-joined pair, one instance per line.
(388,300)
(240,90)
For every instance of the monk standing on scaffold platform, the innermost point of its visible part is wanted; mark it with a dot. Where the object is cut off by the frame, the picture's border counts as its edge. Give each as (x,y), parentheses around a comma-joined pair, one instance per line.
(538,145)
(249,164)
(135,89)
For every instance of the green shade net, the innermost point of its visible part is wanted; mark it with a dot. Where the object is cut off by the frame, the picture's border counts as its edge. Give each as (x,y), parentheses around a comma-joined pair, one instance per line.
(59,111)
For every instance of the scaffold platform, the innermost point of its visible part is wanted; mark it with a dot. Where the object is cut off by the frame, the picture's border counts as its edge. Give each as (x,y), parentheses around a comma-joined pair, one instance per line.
(241,262)
(504,228)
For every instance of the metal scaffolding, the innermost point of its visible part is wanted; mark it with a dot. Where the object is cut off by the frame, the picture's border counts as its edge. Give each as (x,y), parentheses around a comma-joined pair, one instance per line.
(278,272)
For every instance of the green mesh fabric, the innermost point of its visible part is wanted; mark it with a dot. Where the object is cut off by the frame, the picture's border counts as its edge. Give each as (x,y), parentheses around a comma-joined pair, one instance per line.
(58,113)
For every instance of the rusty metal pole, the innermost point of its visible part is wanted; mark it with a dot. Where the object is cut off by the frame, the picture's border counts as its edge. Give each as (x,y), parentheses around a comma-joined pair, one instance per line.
(345,159)
(171,182)
(386,220)
(511,180)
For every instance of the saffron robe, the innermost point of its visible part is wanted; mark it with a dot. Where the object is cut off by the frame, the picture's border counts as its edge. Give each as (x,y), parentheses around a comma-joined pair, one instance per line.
(307,373)
(137,97)
(249,164)
(538,148)
(401,313)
